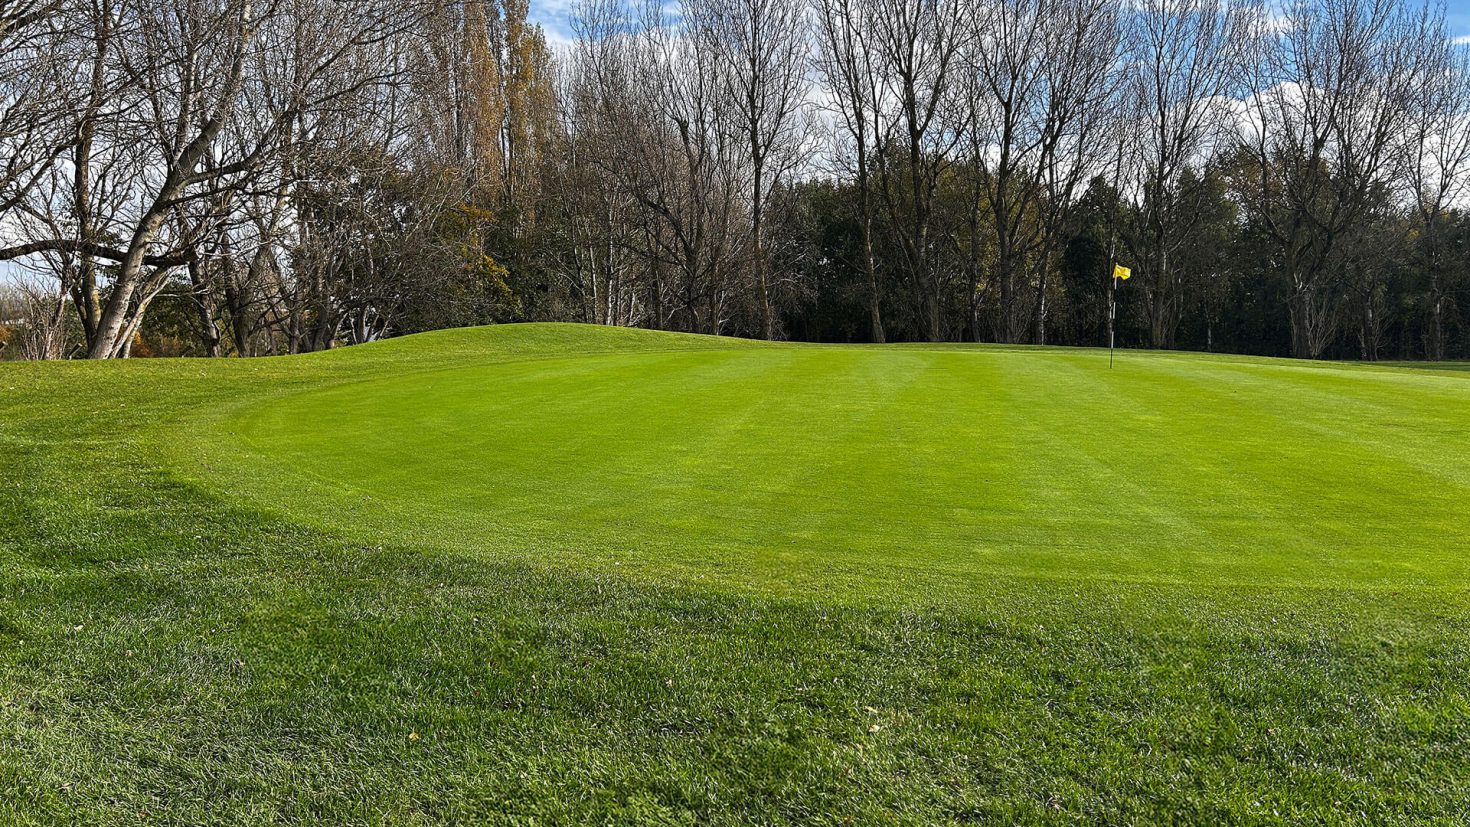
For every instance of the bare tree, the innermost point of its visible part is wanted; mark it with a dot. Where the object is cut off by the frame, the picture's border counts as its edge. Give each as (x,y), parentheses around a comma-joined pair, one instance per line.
(1436,166)
(845,61)
(210,92)
(667,133)
(762,47)
(1330,88)
(35,92)
(1184,67)
(34,312)
(1043,74)
(597,258)
(915,48)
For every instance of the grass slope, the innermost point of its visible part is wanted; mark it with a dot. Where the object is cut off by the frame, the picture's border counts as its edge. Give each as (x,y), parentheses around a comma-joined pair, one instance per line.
(556,574)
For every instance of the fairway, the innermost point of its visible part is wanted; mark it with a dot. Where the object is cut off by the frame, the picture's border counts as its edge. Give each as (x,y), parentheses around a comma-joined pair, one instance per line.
(561,574)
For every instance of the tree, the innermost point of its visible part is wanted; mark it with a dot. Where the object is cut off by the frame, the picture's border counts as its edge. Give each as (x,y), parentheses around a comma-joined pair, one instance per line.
(845,61)
(915,48)
(762,46)
(1330,88)
(208,92)
(1043,76)
(35,92)
(1183,71)
(1435,168)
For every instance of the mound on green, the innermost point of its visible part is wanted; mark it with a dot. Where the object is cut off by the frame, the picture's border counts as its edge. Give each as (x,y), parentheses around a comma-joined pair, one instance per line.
(563,574)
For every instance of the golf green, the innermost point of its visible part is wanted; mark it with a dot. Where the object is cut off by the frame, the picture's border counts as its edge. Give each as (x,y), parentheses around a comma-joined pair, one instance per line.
(769,466)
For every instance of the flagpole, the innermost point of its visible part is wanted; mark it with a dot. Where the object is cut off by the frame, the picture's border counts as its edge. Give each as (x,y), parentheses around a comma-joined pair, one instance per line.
(1113,255)
(1112,312)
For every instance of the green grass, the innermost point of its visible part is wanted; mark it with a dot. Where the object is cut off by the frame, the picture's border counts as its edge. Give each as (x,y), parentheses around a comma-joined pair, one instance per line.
(567,575)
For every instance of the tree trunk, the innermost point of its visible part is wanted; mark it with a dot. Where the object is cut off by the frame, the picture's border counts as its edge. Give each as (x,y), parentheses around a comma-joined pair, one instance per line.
(209,335)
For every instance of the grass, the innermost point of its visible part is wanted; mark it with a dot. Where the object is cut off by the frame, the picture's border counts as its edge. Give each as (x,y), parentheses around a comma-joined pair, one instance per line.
(568,575)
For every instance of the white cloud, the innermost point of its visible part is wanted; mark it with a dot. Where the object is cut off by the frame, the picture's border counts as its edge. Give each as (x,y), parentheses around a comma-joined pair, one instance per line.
(555,19)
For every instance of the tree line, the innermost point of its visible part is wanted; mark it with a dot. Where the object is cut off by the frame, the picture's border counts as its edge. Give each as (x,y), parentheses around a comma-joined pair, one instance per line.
(250,177)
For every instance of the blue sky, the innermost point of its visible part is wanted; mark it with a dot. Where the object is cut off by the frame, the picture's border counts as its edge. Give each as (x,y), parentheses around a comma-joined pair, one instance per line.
(1459,18)
(554,17)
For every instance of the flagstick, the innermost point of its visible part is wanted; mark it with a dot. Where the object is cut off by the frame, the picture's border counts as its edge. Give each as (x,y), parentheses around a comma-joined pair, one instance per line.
(1113,255)
(1112,312)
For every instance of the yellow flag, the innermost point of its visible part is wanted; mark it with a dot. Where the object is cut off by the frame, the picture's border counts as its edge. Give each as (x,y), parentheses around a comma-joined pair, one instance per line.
(1121,272)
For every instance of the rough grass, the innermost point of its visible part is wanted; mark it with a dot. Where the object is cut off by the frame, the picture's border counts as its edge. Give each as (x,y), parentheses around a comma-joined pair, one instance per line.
(552,574)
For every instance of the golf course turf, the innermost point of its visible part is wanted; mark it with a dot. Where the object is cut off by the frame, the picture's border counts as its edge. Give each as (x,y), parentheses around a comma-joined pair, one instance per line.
(559,574)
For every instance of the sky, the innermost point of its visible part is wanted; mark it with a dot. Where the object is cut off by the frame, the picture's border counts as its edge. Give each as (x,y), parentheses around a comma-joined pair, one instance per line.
(1457,13)
(555,18)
